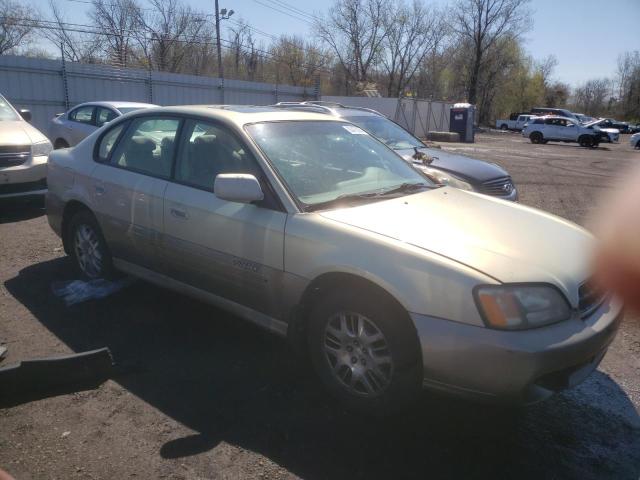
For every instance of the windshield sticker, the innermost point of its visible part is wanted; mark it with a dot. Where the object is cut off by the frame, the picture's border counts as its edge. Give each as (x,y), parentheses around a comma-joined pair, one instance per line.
(354,130)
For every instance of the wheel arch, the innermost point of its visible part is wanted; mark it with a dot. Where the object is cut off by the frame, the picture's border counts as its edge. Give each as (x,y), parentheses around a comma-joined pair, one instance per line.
(328,281)
(70,209)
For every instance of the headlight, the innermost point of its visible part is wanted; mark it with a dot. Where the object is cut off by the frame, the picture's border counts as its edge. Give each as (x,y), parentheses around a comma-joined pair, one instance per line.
(444,178)
(518,307)
(41,149)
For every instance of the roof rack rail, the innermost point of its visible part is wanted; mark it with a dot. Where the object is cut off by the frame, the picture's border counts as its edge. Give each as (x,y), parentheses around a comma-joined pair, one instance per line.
(323,104)
(303,106)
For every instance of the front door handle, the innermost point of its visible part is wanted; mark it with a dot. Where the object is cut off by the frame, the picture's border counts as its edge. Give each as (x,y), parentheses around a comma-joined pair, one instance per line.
(179,213)
(100,190)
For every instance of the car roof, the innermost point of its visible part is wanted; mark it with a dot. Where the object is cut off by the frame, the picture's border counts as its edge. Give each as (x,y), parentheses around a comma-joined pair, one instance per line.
(116,104)
(544,117)
(329,108)
(244,114)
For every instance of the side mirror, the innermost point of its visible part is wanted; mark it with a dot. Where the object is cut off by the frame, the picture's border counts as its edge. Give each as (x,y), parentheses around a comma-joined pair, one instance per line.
(26,114)
(237,187)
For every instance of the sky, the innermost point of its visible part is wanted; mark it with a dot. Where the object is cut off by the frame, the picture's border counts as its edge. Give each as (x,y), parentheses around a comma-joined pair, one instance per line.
(586,36)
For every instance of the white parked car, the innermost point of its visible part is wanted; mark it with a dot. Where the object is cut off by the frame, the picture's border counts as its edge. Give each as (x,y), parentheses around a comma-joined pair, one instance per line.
(23,154)
(517,124)
(561,129)
(312,228)
(69,128)
(634,141)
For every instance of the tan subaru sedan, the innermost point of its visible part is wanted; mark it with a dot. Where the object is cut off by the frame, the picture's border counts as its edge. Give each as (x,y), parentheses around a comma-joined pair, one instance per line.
(309,227)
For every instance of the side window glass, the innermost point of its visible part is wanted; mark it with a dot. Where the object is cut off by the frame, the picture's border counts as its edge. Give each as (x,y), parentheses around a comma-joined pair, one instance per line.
(208,150)
(105,115)
(108,141)
(148,146)
(82,115)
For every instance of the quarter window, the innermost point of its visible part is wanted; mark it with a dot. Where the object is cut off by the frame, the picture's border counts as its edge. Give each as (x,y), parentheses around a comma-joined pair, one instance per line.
(208,150)
(104,115)
(148,146)
(108,141)
(82,115)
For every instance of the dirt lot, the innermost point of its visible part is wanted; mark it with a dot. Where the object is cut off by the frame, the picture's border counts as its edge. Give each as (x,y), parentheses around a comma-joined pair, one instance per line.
(200,394)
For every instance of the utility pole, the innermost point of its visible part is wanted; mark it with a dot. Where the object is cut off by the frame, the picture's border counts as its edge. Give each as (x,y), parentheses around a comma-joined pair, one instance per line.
(220,70)
(225,16)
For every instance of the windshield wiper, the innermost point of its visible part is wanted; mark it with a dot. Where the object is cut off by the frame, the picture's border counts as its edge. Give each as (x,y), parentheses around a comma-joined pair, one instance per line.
(403,188)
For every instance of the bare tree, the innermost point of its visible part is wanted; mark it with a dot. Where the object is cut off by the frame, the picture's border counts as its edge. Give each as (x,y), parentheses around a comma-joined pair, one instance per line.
(120,21)
(15,30)
(412,32)
(170,30)
(76,47)
(593,96)
(483,23)
(297,63)
(355,30)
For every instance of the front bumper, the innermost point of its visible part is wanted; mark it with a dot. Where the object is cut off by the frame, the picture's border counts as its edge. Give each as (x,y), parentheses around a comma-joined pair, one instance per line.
(517,367)
(28,179)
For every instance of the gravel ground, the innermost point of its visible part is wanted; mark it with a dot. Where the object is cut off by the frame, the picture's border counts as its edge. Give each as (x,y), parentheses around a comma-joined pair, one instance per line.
(202,395)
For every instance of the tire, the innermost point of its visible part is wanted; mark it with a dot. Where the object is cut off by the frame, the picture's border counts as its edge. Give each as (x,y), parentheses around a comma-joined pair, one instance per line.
(88,248)
(586,141)
(352,331)
(61,143)
(504,126)
(536,137)
(637,147)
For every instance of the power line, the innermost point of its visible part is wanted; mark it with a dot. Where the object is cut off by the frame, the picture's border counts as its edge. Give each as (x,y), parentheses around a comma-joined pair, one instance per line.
(305,20)
(293,9)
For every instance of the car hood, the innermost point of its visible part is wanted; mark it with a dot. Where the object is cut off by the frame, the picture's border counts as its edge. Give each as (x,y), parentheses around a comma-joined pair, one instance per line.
(506,241)
(18,132)
(467,168)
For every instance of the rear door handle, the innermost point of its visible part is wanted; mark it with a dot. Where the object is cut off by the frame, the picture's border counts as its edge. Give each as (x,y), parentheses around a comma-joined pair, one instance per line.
(179,213)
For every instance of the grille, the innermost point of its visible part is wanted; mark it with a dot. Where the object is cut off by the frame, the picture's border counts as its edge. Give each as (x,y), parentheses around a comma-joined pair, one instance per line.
(12,155)
(590,298)
(499,187)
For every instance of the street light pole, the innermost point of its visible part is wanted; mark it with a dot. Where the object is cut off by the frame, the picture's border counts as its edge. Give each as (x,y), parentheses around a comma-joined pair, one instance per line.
(220,70)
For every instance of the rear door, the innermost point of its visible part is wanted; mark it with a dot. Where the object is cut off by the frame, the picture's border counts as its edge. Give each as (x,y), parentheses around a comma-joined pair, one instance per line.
(233,250)
(569,130)
(81,123)
(129,185)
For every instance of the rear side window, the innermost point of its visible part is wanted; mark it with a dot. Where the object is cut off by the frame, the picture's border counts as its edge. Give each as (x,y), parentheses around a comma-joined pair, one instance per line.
(108,141)
(82,115)
(147,146)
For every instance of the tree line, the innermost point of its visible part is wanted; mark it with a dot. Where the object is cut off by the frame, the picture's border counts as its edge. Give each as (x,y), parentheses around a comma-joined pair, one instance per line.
(467,50)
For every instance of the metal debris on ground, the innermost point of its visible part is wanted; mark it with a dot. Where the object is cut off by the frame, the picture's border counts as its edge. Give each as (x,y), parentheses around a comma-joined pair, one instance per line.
(76,291)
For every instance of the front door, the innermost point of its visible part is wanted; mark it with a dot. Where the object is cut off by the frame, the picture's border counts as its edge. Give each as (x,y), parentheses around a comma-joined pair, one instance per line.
(233,250)
(129,186)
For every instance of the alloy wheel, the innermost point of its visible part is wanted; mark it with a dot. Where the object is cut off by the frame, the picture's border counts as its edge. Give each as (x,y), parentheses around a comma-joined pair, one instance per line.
(86,245)
(358,354)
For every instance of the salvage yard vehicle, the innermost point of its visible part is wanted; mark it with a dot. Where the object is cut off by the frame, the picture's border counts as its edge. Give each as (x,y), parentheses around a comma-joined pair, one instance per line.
(634,141)
(560,129)
(558,112)
(310,227)
(442,167)
(517,124)
(23,155)
(69,128)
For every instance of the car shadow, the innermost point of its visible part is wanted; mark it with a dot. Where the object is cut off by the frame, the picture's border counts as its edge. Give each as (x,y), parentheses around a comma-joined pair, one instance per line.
(230,381)
(14,211)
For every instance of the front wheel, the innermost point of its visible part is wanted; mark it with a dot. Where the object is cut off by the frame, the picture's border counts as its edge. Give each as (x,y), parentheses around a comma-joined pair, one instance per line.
(365,350)
(586,141)
(88,247)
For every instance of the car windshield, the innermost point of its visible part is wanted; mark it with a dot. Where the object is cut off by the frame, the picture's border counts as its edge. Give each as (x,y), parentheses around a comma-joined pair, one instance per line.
(6,110)
(326,162)
(124,110)
(385,130)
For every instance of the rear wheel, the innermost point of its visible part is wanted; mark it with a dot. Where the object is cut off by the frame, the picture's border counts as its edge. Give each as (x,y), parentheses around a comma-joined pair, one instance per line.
(365,350)
(504,126)
(60,143)
(536,137)
(88,247)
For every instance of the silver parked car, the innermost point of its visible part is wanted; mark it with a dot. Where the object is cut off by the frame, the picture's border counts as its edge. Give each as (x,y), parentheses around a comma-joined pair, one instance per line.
(308,226)
(69,128)
(23,155)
